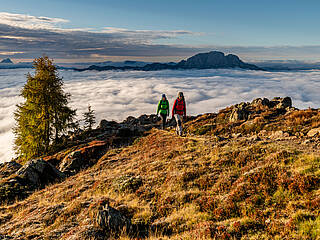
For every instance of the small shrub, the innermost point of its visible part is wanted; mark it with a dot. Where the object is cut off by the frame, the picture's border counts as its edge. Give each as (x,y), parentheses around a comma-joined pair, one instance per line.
(128,183)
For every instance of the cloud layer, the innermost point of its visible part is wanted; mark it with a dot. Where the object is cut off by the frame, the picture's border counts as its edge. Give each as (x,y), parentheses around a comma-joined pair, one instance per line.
(116,95)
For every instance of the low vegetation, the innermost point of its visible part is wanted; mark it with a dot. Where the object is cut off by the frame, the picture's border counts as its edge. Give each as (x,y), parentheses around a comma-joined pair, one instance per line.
(256,178)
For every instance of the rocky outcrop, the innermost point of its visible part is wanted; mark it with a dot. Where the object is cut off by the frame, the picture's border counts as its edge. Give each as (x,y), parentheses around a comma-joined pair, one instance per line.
(39,173)
(145,121)
(278,102)
(112,221)
(83,157)
(260,101)
(89,146)
(239,112)
(130,127)
(20,181)
(244,110)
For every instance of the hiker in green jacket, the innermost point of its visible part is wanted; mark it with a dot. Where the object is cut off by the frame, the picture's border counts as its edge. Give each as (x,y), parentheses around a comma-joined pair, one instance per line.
(163,109)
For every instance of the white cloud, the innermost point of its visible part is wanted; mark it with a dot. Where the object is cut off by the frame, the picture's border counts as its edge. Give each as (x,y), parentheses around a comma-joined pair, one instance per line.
(30,22)
(31,36)
(116,95)
(146,35)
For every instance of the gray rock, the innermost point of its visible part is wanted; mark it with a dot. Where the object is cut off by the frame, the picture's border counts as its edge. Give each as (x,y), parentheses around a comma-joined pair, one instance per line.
(154,118)
(260,101)
(72,162)
(111,220)
(278,102)
(39,173)
(104,124)
(131,120)
(239,112)
(83,157)
(108,125)
(144,119)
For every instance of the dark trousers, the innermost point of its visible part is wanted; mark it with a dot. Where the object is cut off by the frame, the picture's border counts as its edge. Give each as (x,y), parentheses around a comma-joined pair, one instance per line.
(164,120)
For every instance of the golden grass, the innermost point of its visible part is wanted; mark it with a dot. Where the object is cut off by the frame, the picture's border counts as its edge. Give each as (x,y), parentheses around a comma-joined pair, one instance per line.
(197,188)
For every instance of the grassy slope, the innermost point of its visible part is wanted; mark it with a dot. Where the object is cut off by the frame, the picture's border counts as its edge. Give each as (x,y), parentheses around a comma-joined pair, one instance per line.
(197,187)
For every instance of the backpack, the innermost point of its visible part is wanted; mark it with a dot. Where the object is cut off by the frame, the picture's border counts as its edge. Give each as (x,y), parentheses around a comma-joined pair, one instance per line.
(164,105)
(180,107)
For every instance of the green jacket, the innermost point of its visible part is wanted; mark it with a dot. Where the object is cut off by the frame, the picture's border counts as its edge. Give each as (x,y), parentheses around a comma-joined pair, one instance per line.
(163,107)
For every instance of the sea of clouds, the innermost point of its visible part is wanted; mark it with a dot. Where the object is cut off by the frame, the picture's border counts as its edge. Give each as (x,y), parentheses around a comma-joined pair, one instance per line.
(116,95)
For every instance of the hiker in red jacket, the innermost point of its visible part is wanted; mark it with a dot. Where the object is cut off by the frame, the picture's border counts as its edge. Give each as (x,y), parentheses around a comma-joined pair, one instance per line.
(179,112)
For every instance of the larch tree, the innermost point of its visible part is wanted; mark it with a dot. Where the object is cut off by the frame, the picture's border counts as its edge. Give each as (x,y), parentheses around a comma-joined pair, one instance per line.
(89,118)
(44,115)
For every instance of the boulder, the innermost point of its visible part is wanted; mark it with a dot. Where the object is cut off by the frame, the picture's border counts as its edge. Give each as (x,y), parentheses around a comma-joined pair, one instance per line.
(39,173)
(239,112)
(260,101)
(313,132)
(83,157)
(111,220)
(144,119)
(154,118)
(278,102)
(131,120)
(104,124)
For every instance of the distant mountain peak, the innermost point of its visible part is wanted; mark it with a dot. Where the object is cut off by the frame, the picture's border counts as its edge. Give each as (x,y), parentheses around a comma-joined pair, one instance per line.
(6,60)
(215,59)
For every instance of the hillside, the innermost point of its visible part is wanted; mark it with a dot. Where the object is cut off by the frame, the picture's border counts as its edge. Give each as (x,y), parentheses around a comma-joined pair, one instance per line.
(250,171)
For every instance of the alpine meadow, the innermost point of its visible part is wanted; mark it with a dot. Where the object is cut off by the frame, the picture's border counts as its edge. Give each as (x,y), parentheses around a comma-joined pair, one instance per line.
(159,120)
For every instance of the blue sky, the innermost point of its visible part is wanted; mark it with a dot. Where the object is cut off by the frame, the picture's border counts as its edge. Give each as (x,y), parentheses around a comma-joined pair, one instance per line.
(254,29)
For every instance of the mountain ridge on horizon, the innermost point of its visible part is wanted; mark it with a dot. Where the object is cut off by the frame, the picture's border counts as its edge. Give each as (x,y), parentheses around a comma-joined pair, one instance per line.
(268,65)
(208,60)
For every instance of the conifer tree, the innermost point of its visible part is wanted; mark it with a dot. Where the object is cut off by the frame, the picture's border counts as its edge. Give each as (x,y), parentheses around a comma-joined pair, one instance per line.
(44,115)
(89,118)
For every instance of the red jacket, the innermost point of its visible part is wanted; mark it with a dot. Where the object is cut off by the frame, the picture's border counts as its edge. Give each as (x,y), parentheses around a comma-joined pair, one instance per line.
(179,107)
